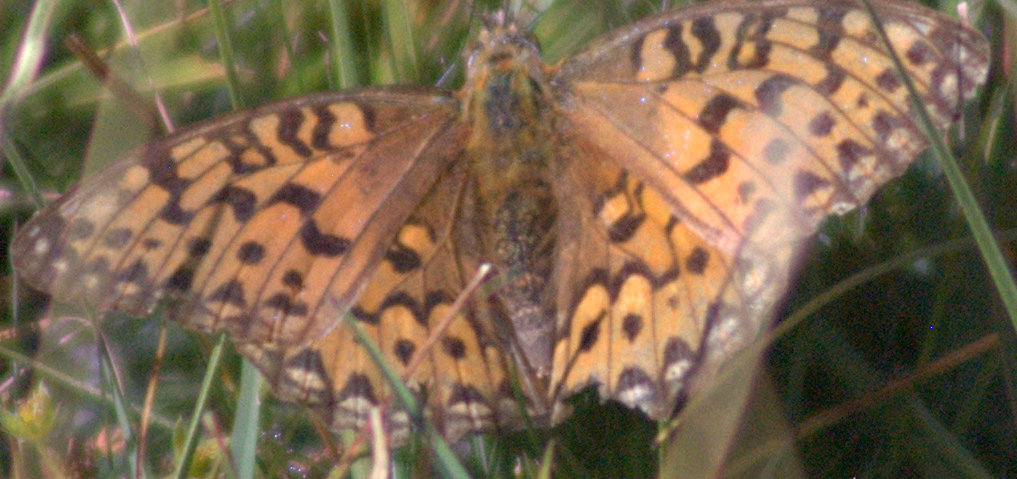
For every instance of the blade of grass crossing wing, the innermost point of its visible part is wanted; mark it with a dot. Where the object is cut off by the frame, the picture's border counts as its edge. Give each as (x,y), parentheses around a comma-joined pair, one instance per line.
(191,438)
(120,405)
(446,459)
(987,246)
(243,446)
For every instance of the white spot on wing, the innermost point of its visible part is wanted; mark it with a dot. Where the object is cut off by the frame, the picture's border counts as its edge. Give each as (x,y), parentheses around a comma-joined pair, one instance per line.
(42,246)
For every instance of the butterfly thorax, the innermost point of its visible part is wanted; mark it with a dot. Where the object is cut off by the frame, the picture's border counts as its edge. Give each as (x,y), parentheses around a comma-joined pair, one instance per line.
(510,161)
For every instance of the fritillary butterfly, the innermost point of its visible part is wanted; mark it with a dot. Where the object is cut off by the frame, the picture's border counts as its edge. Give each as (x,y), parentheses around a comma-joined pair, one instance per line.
(641,203)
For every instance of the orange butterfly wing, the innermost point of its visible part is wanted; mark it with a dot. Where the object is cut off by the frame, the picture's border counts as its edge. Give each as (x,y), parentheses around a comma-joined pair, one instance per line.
(259,223)
(462,378)
(741,126)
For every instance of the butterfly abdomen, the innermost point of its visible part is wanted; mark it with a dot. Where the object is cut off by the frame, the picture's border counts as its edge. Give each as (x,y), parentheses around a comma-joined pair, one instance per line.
(513,204)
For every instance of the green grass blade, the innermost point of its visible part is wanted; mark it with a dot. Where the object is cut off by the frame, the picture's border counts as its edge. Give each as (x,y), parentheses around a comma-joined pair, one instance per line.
(244,434)
(400,35)
(999,271)
(343,53)
(222,36)
(244,443)
(30,55)
(447,461)
(191,438)
(25,177)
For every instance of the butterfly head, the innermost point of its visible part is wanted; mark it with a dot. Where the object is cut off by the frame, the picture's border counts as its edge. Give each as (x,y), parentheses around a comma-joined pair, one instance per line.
(505,74)
(502,38)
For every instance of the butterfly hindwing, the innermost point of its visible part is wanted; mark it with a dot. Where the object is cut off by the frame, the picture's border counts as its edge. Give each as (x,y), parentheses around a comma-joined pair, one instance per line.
(638,304)
(462,378)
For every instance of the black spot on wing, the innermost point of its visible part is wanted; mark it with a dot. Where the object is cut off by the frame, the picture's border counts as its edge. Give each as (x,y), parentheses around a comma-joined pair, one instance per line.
(625,227)
(454,347)
(775,152)
(705,30)
(289,125)
(919,53)
(358,386)
(303,198)
(404,350)
(323,128)
(251,252)
(293,278)
(806,183)
(198,247)
(715,112)
(402,259)
(714,165)
(137,272)
(632,325)
(230,292)
(321,244)
(83,228)
(821,125)
(697,260)
(117,238)
(888,80)
(590,333)
(849,152)
(241,200)
(769,93)
(181,279)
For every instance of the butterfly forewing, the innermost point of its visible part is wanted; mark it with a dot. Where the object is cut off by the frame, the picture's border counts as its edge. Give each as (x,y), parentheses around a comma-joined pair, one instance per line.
(735,109)
(259,223)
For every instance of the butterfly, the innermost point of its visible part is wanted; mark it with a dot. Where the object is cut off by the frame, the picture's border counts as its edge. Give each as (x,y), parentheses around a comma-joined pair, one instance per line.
(641,204)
